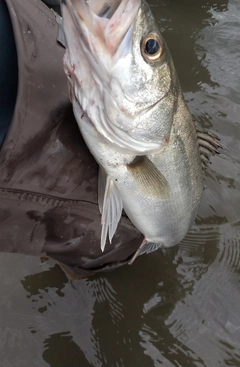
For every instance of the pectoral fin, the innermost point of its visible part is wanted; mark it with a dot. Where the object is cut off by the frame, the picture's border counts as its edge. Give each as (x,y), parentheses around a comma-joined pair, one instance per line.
(110,205)
(148,178)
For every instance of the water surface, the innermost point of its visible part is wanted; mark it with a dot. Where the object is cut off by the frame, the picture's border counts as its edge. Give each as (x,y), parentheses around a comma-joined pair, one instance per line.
(179,307)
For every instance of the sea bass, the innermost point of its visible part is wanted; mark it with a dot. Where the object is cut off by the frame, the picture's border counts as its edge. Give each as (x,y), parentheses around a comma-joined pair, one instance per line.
(131,112)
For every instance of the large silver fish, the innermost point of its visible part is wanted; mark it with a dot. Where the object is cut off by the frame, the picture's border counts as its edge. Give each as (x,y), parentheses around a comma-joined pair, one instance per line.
(130,109)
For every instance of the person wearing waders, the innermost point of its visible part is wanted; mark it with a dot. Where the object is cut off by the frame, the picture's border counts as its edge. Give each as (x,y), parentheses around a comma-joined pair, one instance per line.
(48,178)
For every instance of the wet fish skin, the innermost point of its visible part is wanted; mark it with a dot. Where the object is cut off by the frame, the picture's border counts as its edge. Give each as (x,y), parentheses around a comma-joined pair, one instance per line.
(133,117)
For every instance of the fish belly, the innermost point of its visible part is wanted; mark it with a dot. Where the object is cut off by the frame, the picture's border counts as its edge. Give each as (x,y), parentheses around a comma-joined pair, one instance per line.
(163,221)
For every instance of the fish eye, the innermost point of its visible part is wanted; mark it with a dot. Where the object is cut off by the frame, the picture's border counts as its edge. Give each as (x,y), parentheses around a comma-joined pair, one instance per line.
(152,47)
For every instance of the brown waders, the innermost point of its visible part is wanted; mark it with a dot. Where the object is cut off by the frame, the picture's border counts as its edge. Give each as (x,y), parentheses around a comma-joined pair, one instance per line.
(48,178)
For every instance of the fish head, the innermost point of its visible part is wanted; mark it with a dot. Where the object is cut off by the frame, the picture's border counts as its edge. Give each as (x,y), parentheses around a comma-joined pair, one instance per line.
(120,71)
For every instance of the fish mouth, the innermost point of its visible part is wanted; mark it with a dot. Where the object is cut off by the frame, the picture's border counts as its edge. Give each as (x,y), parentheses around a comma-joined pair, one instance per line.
(103,24)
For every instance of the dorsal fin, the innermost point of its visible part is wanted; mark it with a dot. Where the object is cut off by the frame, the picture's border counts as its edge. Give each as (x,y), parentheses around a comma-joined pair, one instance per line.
(208,145)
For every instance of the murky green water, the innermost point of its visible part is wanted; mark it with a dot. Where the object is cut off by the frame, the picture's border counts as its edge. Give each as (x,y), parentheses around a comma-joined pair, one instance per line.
(179,307)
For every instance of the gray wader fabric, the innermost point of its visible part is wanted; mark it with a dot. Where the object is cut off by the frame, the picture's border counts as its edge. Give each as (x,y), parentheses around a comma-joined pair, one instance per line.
(48,178)
(8,71)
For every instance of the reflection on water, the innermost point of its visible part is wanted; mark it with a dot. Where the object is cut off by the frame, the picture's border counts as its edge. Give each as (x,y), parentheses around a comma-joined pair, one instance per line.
(178,307)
